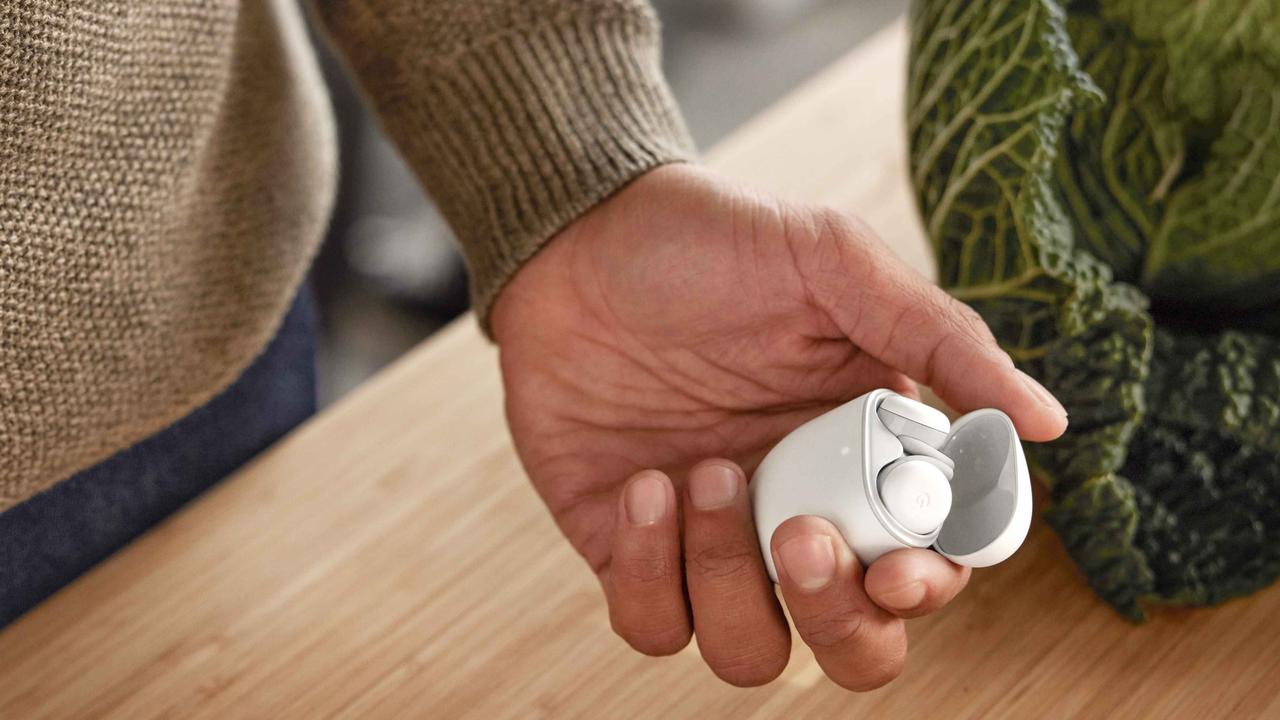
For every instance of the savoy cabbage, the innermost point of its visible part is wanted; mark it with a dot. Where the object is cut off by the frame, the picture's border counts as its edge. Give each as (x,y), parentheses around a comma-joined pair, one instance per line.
(1101,181)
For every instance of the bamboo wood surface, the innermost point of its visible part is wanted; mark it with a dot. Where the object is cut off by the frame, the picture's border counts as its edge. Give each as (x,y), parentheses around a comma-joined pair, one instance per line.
(389,559)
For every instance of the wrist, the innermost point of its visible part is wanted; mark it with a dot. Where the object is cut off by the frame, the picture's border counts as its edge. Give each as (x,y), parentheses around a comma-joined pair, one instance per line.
(548,282)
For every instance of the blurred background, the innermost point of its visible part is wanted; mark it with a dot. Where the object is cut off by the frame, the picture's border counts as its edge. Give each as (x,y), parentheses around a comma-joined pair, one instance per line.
(389,274)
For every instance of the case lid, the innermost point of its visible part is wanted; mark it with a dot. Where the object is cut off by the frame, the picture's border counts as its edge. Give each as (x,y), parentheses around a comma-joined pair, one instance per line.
(991,491)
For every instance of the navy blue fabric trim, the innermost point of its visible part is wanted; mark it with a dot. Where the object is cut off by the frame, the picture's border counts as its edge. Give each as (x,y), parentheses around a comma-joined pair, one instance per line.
(49,540)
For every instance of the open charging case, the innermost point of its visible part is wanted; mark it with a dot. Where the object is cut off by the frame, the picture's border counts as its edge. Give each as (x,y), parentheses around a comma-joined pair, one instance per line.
(830,466)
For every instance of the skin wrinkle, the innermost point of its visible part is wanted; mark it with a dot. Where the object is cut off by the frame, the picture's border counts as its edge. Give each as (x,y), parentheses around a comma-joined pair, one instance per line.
(725,559)
(828,228)
(931,373)
(744,402)
(888,344)
(830,629)
(565,372)
(760,348)
(609,418)
(613,320)
(648,570)
(970,324)
(840,380)
(654,374)
(747,281)
(682,442)
(789,236)
(567,511)
(606,322)
(687,390)
(572,436)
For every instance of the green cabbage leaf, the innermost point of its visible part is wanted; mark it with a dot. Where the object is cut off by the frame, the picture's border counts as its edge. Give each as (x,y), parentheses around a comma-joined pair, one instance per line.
(1101,181)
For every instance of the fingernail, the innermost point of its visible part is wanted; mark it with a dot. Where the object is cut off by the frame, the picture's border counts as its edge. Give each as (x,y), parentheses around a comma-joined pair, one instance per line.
(645,500)
(810,561)
(713,486)
(906,597)
(1046,398)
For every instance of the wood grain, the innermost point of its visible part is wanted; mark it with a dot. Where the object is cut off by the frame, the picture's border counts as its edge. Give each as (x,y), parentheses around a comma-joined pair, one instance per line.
(388,559)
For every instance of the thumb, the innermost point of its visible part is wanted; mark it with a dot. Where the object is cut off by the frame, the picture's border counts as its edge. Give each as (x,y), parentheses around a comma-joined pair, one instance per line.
(894,313)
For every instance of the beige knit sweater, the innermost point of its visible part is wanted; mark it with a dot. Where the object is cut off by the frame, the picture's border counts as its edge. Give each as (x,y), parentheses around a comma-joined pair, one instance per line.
(167,169)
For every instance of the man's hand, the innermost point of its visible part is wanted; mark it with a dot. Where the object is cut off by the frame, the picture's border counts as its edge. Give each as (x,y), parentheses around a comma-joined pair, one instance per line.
(656,349)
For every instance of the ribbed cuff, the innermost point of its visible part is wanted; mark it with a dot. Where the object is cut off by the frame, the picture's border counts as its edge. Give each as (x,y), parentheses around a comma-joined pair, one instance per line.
(517,135)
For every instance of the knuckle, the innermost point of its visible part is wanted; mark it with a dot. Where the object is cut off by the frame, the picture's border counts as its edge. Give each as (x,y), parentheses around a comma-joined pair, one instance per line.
(854,244)
(826,225)
(827,630)
(842,227)
(933,302)
(812,237)
(967,320)
(721,560)
(645,570)
(924,303)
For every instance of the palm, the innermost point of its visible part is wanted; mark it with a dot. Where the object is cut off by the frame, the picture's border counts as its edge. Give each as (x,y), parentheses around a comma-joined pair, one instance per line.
(674,333)
(655,337)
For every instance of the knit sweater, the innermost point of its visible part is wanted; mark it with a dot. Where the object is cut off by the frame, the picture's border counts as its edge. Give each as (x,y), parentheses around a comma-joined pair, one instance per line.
(167,168)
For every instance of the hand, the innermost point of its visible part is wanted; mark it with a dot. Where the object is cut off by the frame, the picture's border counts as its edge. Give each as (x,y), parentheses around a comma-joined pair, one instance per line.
(686,320)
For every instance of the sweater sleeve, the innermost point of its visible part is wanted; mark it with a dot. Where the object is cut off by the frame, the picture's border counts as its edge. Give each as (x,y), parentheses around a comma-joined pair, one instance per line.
(516,115)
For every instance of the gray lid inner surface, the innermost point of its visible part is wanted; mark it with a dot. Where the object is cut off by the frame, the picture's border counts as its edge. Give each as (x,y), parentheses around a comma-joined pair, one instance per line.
(984,487)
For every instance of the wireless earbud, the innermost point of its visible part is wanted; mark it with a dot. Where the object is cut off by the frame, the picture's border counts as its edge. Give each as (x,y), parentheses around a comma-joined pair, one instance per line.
(912,446)
(908,418)
(916,488)
(917,493)
(890,472)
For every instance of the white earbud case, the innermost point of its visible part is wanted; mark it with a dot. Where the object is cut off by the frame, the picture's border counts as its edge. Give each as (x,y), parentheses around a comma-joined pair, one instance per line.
(829,467)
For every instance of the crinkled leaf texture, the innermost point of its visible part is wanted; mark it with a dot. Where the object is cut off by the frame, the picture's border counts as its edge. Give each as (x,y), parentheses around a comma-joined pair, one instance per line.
(1101,181)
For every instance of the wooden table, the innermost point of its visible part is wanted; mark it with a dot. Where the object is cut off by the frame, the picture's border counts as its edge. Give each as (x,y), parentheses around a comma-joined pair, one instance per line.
(388,559)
